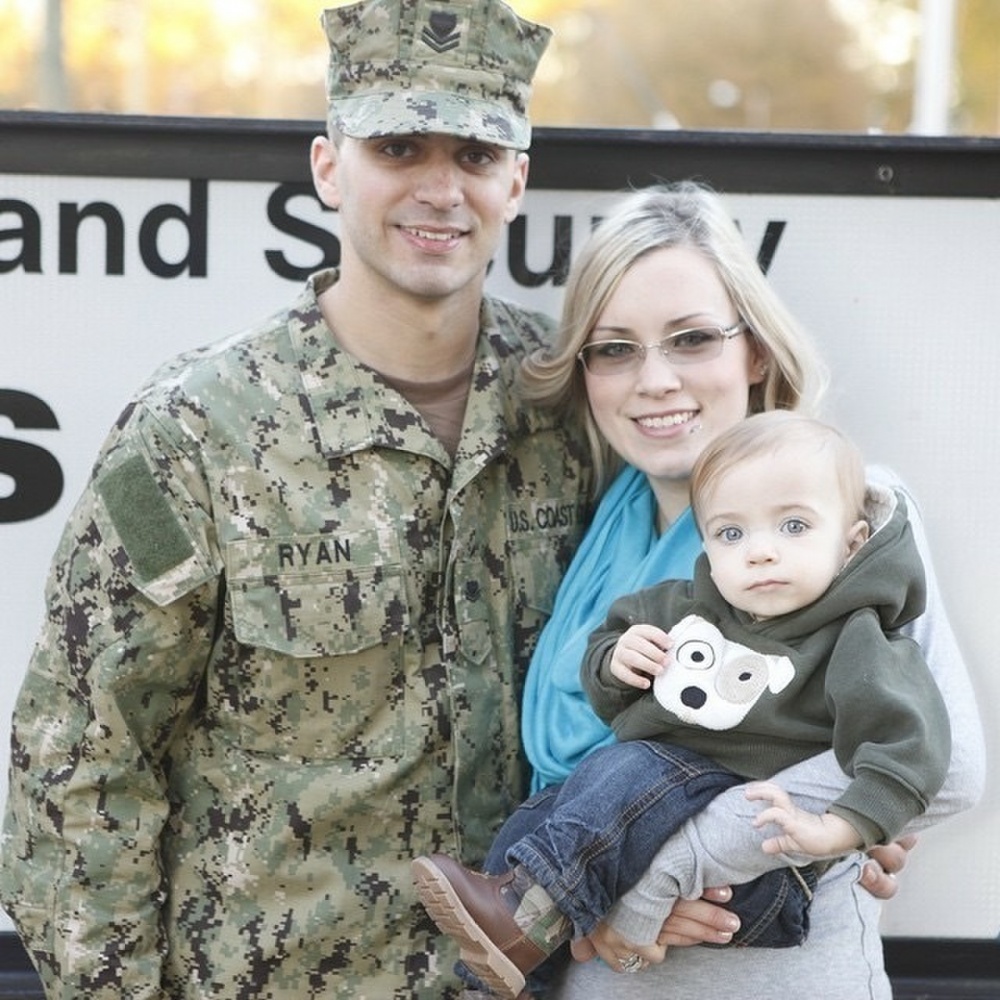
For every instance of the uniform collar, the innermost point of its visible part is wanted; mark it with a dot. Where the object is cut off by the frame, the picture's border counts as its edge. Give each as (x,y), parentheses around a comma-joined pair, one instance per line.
(353,409)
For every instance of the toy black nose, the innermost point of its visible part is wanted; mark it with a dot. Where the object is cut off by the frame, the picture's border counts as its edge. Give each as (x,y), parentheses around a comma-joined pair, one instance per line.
(693,697)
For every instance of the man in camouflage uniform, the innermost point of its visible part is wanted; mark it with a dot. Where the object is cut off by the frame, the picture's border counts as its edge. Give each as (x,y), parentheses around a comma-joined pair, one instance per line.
(288,620)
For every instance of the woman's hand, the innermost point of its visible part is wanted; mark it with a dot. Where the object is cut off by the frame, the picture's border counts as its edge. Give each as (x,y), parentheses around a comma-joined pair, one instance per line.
(700,921)
(608,944)
(878,875)
(692,921)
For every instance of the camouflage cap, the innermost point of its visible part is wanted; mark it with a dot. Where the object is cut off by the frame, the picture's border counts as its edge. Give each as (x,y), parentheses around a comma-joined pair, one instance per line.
(459,67)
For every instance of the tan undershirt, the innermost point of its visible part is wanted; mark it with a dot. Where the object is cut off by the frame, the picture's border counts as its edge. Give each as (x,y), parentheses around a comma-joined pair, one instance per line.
(441,403)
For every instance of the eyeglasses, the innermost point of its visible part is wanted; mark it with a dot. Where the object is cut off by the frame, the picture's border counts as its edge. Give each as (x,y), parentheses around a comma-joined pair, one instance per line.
(685,347)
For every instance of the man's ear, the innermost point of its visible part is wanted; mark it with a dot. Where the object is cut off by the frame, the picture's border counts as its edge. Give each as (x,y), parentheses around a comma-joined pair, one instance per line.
(323,158)
(519,183)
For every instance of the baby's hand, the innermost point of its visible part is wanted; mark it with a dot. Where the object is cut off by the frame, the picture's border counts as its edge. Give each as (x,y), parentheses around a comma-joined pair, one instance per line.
(640,654)
(820,835)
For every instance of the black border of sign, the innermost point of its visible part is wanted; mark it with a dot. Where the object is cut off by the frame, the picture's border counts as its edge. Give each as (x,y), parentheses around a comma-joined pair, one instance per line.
(920,969)
(579,159)
(588,159)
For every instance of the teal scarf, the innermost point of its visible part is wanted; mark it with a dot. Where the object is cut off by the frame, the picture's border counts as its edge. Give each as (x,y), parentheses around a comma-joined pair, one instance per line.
(620,553)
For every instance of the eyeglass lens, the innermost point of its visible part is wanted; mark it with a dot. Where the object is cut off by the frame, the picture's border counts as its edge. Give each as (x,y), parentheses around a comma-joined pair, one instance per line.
(684,347)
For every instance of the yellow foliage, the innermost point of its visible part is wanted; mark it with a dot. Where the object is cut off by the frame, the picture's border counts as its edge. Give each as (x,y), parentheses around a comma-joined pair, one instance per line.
(615,63)
(541,10)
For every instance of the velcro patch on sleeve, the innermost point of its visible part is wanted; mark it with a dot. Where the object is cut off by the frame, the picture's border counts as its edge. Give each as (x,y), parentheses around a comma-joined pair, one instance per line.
(149,529)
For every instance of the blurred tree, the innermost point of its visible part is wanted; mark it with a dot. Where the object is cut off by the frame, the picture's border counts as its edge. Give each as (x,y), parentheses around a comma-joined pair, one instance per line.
(760,64)
(977,38)
(729,64)
(20,51)
(253,58)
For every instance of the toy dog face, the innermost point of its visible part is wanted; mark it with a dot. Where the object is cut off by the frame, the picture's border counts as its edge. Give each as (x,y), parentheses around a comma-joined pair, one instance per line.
(712,682)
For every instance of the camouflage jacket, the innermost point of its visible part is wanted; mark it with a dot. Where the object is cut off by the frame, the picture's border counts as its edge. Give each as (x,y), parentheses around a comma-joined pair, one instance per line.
(283,654)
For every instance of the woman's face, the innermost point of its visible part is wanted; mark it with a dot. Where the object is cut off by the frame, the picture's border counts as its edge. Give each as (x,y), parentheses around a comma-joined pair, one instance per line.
(661,415)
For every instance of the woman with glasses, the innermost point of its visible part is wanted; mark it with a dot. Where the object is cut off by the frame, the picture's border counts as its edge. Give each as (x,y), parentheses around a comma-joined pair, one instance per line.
(670,335)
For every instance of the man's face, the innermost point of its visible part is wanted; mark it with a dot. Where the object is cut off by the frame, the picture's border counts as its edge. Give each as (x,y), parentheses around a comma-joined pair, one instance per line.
(421,214)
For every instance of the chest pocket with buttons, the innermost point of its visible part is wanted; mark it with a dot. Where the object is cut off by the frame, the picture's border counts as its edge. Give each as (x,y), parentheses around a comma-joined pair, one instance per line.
(321,671)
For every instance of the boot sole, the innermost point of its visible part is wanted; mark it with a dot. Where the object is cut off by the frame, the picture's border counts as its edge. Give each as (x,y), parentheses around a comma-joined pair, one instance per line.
(479,952)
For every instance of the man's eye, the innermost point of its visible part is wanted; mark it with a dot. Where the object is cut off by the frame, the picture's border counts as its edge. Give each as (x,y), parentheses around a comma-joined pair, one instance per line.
(396,149)
(480,157)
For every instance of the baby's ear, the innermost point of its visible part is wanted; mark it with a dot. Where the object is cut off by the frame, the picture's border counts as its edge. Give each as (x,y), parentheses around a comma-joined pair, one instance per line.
(857,535)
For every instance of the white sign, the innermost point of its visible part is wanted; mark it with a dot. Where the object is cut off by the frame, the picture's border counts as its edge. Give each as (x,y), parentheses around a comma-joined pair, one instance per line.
(102,279)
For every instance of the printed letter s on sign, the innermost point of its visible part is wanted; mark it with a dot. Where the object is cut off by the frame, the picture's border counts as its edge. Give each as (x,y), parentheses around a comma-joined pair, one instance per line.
(38,477)
(285,221)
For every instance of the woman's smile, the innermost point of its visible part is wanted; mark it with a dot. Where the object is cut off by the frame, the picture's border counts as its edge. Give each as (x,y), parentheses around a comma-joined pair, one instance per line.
(667,421)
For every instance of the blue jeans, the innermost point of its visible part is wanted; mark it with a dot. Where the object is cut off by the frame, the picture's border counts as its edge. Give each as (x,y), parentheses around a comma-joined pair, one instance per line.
(590,839)
(608,819)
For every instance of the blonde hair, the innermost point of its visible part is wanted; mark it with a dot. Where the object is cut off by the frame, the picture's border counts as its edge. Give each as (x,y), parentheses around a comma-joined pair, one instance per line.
(767,433)
(683,214)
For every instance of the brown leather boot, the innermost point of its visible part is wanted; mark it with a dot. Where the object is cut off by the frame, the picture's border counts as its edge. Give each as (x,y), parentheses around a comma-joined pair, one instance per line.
(478,912)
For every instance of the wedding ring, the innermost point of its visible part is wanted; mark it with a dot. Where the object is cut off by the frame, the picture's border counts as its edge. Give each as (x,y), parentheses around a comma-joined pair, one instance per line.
(632,964)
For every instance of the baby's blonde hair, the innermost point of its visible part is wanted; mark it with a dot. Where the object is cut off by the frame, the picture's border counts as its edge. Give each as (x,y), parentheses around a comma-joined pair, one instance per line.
(768,432)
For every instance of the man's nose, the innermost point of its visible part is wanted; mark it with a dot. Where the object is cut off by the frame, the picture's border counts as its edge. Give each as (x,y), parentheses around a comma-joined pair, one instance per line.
(440,184)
